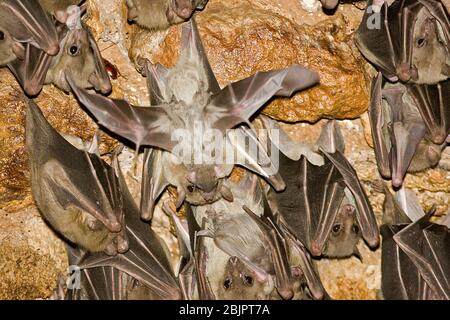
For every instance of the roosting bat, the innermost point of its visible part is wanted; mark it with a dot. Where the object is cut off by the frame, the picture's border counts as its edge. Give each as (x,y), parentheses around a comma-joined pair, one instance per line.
(24,22)
(400,116)
(259,251)
(196,103)
(415,256)
(408,40)
(142,272)
(160,14)
(26,31)
(79,56)
(327,217)
(75,191)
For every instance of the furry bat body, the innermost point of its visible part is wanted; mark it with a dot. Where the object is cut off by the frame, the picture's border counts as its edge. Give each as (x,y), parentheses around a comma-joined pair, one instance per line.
(328,217)
(190,101)
(161,14)
(143,272)
(74,190)
(410,125)
(79,56)
(258,251)
(411,42)
(415,256)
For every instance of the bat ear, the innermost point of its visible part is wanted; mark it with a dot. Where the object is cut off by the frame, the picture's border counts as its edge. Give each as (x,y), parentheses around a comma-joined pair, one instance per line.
(331,139)
(192,50)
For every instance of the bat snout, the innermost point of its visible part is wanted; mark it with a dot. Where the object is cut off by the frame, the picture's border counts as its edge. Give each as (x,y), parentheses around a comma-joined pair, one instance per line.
(404,72)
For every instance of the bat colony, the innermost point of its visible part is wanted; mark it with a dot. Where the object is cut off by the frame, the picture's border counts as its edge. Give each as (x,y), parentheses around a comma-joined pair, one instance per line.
(257,238)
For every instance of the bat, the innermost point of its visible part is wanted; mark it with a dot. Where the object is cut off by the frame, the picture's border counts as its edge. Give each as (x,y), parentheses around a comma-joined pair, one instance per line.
(415,261)
(75,191)
(161,14)
(257,248)
(26,31)
(56,7)
(79,56)
(25,22)
(407,40)
(185,110)
(145,266)
(329,217)
(404,141)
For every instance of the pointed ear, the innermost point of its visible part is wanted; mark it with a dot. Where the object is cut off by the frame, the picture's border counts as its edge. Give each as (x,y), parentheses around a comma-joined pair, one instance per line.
(239,101)
(331,139)
(140,125)
(192,49)
(28,22)
(31,71)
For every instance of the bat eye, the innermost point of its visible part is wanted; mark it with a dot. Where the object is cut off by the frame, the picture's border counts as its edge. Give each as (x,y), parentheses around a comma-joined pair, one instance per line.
(227,283)
(421,42)
(2,36)
(191,188)
(248,281)
(355,228)
(336,228)
(73,50)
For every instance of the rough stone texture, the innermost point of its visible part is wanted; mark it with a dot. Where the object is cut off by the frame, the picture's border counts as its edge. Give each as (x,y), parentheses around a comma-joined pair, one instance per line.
(241,37)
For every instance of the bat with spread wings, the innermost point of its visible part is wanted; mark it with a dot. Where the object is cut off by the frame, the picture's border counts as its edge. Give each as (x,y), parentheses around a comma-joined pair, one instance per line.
(407,40)
(192,103)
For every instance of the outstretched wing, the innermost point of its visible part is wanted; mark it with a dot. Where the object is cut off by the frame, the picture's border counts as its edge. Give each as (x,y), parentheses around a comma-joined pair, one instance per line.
(140,125)
(237,102)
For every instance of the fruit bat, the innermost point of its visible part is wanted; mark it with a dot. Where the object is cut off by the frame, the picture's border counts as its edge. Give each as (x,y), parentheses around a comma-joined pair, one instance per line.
(407,40)
(161,14)
(409,126)
(415,260)
(79,56)
(142,272)
(193,102)
(75,190)
(257,249)
(327,217)
(25,28)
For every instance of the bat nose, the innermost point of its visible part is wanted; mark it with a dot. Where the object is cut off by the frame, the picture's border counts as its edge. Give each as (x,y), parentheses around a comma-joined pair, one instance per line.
(404,72)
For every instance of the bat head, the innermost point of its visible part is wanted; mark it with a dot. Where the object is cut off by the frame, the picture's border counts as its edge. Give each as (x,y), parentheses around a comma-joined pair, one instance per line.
(240,283)
(6,47)
(185,8)
(429,44)
(202,184)
(344,235)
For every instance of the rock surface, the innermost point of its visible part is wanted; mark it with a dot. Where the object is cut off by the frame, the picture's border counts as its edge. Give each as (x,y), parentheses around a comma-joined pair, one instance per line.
(240,37)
